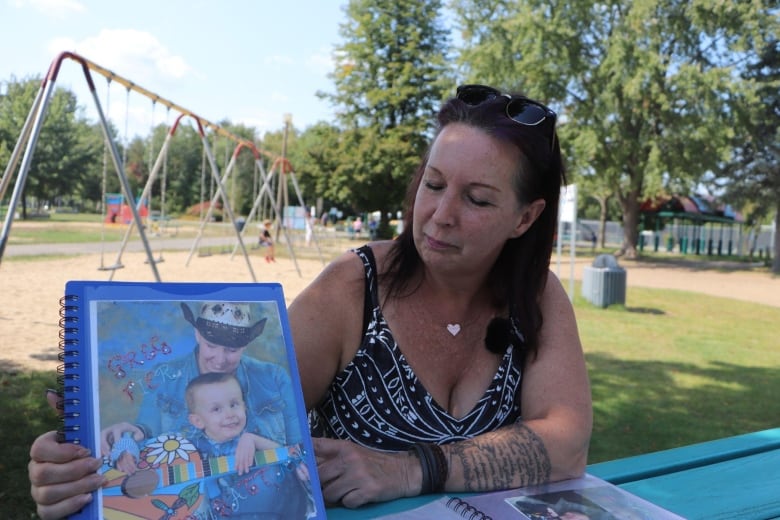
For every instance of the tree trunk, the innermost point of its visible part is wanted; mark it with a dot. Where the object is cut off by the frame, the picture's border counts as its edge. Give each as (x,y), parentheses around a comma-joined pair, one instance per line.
(630,207)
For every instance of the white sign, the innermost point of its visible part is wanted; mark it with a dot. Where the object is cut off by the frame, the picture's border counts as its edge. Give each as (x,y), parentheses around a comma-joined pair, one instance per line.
(568,205)
(567,212)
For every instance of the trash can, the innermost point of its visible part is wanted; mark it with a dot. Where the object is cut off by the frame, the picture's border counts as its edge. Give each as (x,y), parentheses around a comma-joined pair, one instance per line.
(604,282)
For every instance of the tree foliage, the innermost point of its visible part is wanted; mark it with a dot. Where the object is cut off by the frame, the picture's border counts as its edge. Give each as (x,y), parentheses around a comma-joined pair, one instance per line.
(391,72)
(645,88)
(315,157)
(753,180)
(653,97)
(64,146)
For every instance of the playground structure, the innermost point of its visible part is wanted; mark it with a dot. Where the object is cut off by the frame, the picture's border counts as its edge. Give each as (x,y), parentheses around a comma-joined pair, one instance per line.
(133,212)
(119,212)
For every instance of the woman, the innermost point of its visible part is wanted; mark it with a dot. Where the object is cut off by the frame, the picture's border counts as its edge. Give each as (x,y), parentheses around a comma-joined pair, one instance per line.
(451,361)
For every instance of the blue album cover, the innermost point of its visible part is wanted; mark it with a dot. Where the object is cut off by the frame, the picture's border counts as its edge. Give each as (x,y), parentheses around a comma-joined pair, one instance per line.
(191,395)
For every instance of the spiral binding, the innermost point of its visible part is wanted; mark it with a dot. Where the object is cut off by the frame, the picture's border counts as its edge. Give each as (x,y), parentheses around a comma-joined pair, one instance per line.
(466,510)
(67,375)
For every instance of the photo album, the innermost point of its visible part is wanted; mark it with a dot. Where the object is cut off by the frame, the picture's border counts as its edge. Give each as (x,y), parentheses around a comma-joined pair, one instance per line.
(190,393)
(584,498)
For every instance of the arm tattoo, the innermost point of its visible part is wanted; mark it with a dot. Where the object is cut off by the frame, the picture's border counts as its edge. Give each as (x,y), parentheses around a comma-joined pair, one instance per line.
(512,457)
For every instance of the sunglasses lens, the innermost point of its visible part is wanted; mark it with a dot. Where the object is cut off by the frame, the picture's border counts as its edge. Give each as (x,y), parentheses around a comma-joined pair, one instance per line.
(519,109)
(475,95)
(525,113)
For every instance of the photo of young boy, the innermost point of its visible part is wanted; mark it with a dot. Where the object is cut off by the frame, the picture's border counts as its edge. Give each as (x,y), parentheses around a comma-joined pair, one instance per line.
(218,415)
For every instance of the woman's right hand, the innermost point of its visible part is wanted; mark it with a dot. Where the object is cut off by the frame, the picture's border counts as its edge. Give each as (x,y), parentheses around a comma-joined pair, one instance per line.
(62,475)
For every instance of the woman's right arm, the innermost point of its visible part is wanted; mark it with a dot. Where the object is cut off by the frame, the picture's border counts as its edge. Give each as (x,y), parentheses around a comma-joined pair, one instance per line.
(62,475)
(326,323)
(326,316)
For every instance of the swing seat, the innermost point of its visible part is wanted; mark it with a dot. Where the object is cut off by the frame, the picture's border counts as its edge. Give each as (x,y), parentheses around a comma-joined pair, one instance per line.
(111,267)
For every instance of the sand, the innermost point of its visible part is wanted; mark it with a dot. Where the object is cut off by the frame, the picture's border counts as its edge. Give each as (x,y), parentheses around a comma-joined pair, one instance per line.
(31,289)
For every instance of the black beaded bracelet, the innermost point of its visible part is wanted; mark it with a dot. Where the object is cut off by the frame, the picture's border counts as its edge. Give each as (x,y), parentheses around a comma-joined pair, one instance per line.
(434,467)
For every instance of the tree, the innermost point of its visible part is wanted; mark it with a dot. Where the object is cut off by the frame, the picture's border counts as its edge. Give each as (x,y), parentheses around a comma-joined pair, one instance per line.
(63,151)
(754,178)
(90,187)
(391,71)
(187,183)
(644,87)
(315,157)
(239,187)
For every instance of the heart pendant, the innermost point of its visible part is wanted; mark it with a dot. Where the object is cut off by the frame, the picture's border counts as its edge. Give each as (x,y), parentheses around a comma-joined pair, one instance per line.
(453,328)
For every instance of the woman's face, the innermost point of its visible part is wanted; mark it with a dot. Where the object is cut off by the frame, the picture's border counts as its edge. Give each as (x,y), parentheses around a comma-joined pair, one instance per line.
(216,358)
(466,207)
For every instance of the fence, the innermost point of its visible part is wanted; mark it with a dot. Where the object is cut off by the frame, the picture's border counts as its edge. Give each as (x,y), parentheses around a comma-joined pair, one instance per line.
(712,240)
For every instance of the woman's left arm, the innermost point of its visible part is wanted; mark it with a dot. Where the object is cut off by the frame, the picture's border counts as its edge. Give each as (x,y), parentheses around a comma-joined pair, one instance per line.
(550,443)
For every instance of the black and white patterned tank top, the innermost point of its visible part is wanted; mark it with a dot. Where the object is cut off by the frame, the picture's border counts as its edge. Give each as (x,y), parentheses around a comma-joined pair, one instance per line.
(378,402)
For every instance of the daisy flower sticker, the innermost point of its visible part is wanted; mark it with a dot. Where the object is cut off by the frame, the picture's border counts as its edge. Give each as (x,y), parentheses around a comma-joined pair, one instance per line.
(168,447)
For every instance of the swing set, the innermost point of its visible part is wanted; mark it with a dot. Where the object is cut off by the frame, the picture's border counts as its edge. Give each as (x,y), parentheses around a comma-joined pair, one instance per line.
(141,204)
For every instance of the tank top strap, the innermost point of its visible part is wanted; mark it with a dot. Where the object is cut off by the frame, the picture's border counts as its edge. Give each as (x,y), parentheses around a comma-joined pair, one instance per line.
(371,298)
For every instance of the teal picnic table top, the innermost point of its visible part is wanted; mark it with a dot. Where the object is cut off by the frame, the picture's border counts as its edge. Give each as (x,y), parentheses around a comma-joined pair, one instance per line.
(731,478)
(734,478)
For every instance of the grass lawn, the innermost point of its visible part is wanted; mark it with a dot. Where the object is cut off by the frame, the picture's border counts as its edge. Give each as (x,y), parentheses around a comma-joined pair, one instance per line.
(675,368)
(61,228)
(669,369)
(25,414)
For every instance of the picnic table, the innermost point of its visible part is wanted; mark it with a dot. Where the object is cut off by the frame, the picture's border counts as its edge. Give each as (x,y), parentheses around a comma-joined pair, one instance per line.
(735,478)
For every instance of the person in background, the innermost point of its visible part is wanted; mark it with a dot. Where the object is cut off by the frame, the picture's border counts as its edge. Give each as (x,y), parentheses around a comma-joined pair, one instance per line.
(357,226)
(266,240)
(308,229)
(449,359)
(373,229)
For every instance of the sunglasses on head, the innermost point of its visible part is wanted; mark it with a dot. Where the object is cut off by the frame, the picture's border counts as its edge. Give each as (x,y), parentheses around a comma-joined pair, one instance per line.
(519,109)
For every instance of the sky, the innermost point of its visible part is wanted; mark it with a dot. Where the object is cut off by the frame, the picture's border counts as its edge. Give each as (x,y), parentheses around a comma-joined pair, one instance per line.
(247,61)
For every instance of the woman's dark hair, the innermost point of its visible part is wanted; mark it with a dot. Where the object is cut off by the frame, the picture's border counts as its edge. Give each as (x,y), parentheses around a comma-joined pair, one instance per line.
(519,275)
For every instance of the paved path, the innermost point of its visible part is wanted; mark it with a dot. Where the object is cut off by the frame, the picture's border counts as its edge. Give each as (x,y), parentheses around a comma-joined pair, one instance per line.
(724,279)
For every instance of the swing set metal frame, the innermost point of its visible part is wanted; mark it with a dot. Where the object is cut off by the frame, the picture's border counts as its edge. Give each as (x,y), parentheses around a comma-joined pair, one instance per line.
(31,129)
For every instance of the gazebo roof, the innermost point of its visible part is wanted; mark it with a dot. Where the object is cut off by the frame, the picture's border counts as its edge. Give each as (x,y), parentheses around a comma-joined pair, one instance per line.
(691,207)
